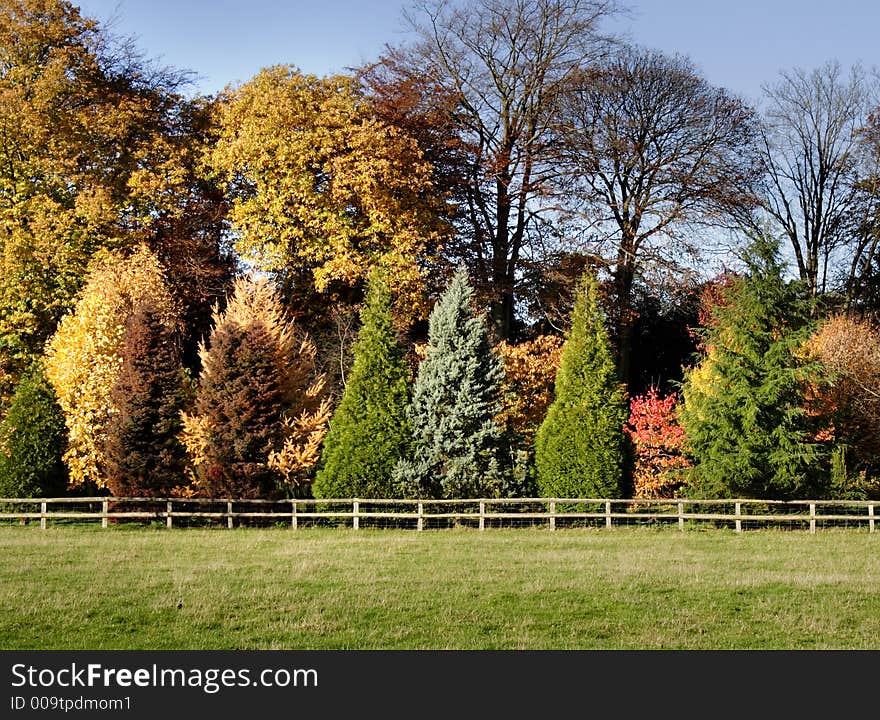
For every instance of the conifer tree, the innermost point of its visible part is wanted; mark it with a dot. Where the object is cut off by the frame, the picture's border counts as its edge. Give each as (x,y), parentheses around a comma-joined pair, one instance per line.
(142,453)
(369,431)
(579,450)
(458,449)
(32,439)
(258,419)
(748,434)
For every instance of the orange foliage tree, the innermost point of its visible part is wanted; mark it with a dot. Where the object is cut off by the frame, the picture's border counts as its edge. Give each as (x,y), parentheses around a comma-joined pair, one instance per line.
(529,373)
(849,401)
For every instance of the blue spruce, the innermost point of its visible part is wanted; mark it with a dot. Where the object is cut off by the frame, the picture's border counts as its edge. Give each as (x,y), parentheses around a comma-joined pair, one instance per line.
(458,449)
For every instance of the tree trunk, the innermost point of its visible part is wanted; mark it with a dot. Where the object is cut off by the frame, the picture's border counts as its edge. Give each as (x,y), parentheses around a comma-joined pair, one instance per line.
(623,282)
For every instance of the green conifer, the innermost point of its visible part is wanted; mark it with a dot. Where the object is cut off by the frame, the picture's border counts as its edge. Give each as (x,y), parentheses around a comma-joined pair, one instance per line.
(747,431)
(458,449)
(369,431)
(579,448)
(33,437)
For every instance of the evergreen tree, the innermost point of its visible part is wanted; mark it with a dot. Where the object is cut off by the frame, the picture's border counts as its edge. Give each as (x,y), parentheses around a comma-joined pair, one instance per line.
(369,431)
(258,420)
(747,431)
(579,448)
(32,439)
(142,453)
(458,449)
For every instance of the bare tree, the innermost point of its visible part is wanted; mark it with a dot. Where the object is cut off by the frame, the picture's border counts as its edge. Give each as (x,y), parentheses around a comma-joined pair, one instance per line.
(811,157)
(504,62)
(865,221)
(654,150)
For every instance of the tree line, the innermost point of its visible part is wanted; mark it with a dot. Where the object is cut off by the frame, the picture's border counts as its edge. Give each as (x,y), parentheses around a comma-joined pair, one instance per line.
(476,266)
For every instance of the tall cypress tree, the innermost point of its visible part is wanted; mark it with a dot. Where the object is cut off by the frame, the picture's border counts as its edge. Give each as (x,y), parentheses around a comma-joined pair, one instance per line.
(744,416)
(369,431)
(457,450)
(33,437)
(579,450)
(142,453)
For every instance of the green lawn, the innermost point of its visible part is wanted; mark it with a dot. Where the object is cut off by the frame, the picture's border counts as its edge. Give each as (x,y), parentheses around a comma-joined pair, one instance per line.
(136,588)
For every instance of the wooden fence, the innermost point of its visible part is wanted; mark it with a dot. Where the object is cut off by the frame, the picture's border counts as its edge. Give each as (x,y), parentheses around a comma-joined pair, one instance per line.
(551,513)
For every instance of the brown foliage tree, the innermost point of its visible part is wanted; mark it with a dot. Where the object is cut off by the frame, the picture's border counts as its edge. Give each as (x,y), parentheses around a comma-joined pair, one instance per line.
(142,453)
(93,138)
(258,418)
(527,391)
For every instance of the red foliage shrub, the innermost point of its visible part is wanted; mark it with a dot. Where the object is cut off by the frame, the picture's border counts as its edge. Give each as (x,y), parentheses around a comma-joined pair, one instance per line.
(658,439)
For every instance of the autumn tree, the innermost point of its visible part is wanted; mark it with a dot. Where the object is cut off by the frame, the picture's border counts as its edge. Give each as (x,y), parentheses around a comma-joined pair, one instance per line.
(258,418)
(84,356)
(142,452)
(90,159)
(744,408)
(529,373)
(457,449)
(847,399)
(369,431)
(655,154)
(32,440)
(811,157)
(322,191)
(498,68)
(658,440)
(579,448)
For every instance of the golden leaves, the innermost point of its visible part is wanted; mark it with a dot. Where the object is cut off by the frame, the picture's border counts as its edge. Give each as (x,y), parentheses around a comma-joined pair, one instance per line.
(315,180)
(530,371)
(84,356)
(302,445)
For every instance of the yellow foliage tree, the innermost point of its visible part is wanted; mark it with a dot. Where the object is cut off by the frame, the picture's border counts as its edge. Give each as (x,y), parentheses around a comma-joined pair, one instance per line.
(322,191)
(84,356)
(96,147)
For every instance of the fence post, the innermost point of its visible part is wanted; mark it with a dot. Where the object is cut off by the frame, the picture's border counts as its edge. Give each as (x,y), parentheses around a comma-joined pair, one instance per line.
(739,523)
(43,515)
(608,513)
(229,514)
(168,520)
(293,522)
(870,518)
(482,515)
(420,523)
(104,506)
(552,515)
(356,520)
(681,516)
(812,518)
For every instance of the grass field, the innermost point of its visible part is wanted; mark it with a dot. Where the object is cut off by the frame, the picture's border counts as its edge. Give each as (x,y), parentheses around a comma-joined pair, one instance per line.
(128,588)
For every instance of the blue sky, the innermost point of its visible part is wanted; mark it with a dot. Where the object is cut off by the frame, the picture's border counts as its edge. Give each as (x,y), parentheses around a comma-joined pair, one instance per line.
(738,45)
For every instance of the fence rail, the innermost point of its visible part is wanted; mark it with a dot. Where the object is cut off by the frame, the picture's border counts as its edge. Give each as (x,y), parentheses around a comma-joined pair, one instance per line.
(358,513)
